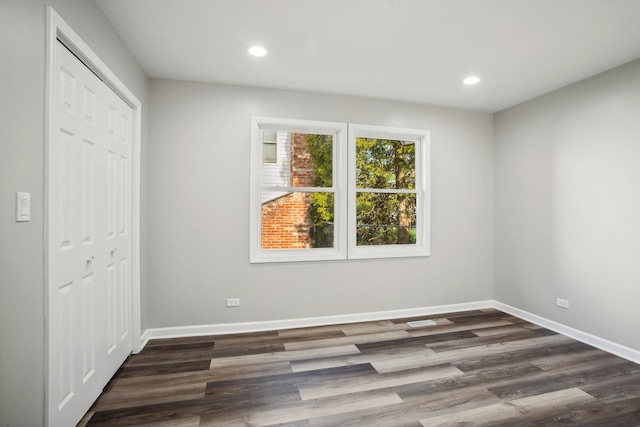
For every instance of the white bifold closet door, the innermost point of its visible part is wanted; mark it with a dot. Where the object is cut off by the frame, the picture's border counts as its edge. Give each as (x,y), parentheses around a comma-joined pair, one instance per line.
(90,238)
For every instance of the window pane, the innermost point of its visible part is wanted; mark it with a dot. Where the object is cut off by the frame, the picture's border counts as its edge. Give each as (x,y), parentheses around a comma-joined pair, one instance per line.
(269,136)
(269,153)
(385,219)
(303,160)
(385,163)
(297,220)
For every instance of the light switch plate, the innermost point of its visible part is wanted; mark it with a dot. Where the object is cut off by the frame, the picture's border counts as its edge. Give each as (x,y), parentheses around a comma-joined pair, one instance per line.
(23,206)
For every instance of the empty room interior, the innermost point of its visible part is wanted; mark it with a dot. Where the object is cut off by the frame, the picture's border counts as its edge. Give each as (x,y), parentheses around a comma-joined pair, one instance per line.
(469,166)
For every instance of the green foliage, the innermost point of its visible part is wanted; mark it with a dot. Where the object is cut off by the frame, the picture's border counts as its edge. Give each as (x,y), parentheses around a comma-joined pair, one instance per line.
(384,163)
(385,219)
(321,150)
(382,218)
(321,208)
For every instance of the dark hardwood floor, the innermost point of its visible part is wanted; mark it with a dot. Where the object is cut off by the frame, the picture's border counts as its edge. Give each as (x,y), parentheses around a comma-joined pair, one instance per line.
(480,368)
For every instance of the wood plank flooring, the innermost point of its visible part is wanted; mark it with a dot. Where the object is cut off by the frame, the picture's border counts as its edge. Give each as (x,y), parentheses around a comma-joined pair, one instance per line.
(480,368)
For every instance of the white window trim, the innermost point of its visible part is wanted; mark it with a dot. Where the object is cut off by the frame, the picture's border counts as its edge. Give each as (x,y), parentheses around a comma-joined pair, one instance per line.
(339,131)
(344,188)
(422,246)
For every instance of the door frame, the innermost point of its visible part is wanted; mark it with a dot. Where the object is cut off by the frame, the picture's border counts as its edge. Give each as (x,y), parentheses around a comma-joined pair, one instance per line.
(57,28)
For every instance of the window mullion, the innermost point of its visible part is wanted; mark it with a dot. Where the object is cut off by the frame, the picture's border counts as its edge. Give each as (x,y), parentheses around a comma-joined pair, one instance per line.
(386,191)
(299,189)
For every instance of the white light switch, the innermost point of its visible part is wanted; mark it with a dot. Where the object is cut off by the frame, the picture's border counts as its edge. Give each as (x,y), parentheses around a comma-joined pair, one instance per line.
(23,206)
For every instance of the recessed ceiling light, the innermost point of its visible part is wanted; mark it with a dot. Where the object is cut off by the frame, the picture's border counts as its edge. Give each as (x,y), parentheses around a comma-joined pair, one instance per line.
(257,51)
(471,80)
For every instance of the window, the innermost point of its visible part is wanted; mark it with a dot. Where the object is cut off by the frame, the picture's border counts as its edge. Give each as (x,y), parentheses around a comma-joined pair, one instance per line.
(388,182)
(299,198)
(297,201)
(269,147)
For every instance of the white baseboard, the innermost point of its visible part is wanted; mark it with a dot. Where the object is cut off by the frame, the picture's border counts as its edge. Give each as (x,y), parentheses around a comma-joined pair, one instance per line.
(272,325)
(584,337)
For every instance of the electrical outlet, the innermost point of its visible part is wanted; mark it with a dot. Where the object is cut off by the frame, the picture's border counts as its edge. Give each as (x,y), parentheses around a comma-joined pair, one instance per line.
(562,303)
(233,302)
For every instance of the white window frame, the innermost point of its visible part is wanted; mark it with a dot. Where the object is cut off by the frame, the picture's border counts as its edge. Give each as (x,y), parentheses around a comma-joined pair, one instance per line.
(422,246)
(344,189)
(339,133)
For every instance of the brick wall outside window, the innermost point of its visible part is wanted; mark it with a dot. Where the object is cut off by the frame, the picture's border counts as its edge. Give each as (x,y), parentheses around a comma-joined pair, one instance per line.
(285,221)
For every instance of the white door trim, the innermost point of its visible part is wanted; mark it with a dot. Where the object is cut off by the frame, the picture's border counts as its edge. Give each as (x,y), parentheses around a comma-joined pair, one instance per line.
(58,29)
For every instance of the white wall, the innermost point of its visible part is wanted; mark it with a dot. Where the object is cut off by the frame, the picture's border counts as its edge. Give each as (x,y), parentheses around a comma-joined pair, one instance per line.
(567,185)
(22,107)
(198,212)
